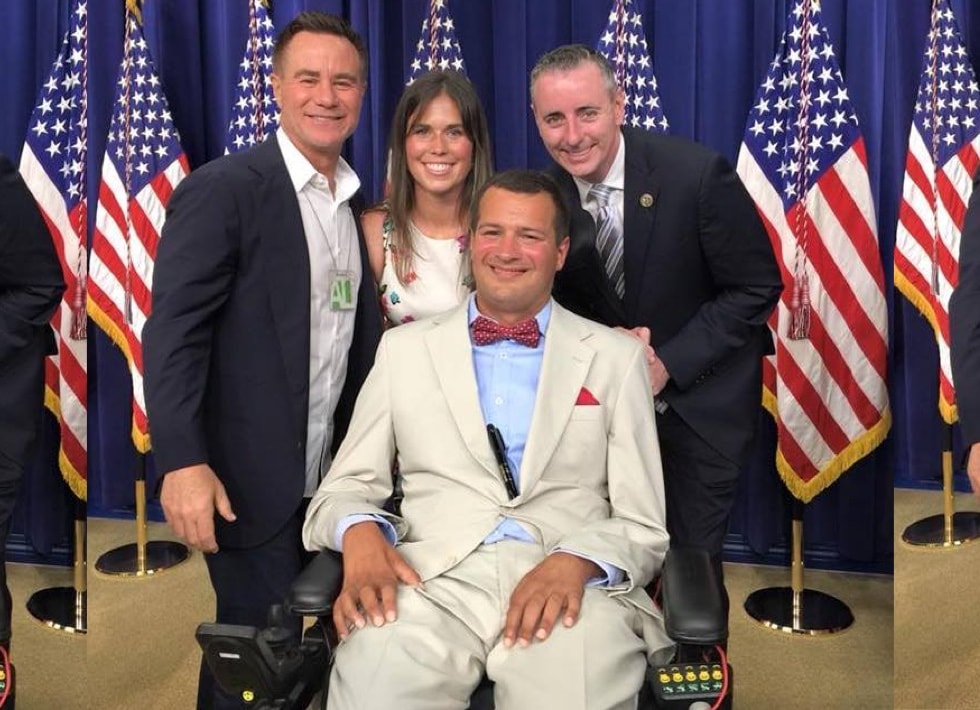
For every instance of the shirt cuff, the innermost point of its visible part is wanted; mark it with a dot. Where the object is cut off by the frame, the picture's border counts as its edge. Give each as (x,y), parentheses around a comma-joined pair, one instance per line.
(612,575)
(346,522)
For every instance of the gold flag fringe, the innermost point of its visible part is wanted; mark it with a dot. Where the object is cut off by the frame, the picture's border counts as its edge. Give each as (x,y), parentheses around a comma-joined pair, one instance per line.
(832,470)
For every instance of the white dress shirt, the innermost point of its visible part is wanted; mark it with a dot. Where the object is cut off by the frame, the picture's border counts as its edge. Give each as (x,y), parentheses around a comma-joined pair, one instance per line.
(615,178)
(331,237)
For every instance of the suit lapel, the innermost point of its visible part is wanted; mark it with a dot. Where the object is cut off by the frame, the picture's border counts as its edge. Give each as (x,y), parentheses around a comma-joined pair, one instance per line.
(286,264)
(457,380)
(639,211)
(565,365)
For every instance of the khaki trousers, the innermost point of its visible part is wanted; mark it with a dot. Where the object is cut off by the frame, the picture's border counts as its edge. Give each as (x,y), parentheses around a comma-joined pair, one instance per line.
(449,633)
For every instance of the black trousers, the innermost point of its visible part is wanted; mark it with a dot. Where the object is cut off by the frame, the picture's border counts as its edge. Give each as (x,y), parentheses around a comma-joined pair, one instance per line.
(246,582)
(700,485)
(22,394)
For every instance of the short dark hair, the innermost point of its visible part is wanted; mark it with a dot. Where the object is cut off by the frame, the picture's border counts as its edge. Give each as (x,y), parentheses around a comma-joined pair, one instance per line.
(324,24)
(525,182)
(571,56)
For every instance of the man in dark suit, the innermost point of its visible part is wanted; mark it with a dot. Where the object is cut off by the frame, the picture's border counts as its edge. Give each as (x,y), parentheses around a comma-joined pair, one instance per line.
(666,242)
(964,328)
(31,285)
(263,327)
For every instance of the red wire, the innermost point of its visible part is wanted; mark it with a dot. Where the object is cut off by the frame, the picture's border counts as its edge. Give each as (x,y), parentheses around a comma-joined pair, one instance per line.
(724,678)
(9,680)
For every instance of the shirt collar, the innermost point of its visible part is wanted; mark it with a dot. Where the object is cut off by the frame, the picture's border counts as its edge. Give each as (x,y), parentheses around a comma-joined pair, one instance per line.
(543,316)
(302,173)
(615,178)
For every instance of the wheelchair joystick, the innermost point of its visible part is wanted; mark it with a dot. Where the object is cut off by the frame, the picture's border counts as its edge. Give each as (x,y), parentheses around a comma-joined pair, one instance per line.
(277,635)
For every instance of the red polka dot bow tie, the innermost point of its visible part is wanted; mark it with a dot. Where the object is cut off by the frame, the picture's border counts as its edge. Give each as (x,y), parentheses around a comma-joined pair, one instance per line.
(486,331)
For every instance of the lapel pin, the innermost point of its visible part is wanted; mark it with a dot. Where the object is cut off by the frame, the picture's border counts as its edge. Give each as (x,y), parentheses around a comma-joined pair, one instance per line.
(646,200)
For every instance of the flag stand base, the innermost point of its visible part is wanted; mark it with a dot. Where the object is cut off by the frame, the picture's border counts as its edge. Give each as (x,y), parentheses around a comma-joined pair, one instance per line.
(940,531)
(949,530)
(133,561)
(64,608)
(142,558)
(807,612)
(795,610)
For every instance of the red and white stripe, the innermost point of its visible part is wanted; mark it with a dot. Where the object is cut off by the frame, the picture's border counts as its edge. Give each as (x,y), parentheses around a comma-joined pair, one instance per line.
(931,217)
(828,392)
(127,232)
(66,373)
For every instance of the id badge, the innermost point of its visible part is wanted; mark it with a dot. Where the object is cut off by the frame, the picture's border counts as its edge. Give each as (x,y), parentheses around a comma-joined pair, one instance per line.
(341,290)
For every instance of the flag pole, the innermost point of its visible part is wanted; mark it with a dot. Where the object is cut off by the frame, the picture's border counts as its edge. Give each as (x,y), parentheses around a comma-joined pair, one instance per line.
(65,608)
(949,530)
(142,558)
(795,609)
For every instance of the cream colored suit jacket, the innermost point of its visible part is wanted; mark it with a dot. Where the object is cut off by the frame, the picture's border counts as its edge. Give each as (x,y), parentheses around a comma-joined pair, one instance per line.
(590,480)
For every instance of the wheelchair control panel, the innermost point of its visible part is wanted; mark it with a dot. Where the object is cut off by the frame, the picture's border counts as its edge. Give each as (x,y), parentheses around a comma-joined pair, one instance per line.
(687,685)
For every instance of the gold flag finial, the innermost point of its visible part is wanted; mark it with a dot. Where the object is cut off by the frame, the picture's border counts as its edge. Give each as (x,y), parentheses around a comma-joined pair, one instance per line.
(133,6)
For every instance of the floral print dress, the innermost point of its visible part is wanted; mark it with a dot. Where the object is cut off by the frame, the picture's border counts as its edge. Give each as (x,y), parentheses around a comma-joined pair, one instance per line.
(439,279)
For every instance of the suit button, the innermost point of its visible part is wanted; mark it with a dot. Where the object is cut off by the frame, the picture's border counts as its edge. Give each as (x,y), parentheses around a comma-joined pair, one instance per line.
(299,445)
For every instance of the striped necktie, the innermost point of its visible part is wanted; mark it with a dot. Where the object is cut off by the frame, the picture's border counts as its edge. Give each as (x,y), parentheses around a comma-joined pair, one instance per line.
(609,236)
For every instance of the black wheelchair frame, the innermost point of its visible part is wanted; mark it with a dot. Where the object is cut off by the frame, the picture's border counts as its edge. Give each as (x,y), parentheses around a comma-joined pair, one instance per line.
(274,669)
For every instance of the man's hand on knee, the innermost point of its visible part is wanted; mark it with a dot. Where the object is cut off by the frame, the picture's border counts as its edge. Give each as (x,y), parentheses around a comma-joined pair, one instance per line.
(553,588)
(373,570)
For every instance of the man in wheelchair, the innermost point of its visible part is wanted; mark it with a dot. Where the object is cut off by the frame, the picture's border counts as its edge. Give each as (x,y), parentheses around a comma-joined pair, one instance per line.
(533,512)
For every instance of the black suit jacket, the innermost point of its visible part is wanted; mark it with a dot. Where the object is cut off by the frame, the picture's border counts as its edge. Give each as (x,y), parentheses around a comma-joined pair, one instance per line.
(700,274)
(964,324)
(31,286)
(227,344)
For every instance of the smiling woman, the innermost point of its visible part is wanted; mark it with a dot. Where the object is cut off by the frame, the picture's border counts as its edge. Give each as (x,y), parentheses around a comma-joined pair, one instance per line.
(416,238)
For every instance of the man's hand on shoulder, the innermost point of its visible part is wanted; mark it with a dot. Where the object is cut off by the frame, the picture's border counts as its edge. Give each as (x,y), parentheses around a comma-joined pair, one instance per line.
(655,366)
(189,497)
(373,570)
(973,468)
(553,588)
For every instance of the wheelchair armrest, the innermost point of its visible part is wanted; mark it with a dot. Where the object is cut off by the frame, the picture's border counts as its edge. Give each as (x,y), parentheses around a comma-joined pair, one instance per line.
(692,598)
(314,591)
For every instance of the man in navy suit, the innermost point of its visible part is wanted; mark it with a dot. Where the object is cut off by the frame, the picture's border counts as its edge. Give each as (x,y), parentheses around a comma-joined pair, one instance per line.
(263,327)
(964,328)
(665,241)
(31,285)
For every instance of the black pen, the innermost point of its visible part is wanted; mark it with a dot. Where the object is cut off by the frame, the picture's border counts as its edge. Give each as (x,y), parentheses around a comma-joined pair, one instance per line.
(500,453)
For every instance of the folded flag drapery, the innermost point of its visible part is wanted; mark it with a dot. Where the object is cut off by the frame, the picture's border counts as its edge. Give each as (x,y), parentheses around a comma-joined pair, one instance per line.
(143,164)
(804,162)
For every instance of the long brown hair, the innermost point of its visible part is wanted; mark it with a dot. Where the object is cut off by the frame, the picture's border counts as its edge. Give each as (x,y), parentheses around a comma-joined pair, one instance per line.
(401,199)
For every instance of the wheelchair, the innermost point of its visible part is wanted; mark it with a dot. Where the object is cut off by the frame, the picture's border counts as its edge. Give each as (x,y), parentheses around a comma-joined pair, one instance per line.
(274,669)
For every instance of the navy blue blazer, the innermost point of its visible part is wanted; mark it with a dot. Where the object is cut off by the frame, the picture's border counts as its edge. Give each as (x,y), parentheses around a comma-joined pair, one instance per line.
(227,344)
(964,324)
(700,274)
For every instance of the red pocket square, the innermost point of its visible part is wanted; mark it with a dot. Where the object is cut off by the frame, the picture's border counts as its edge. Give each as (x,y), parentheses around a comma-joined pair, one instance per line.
(585,398)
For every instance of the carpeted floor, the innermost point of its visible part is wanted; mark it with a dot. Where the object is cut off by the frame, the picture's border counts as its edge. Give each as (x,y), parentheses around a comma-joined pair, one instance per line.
(937,632)
(140,651)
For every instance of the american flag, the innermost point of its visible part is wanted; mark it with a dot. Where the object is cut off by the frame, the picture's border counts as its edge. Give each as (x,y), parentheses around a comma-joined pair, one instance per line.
(254,114)
(943,154)
(804,162)
(53,166)
(624,45)
(143,164)
(437,47)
